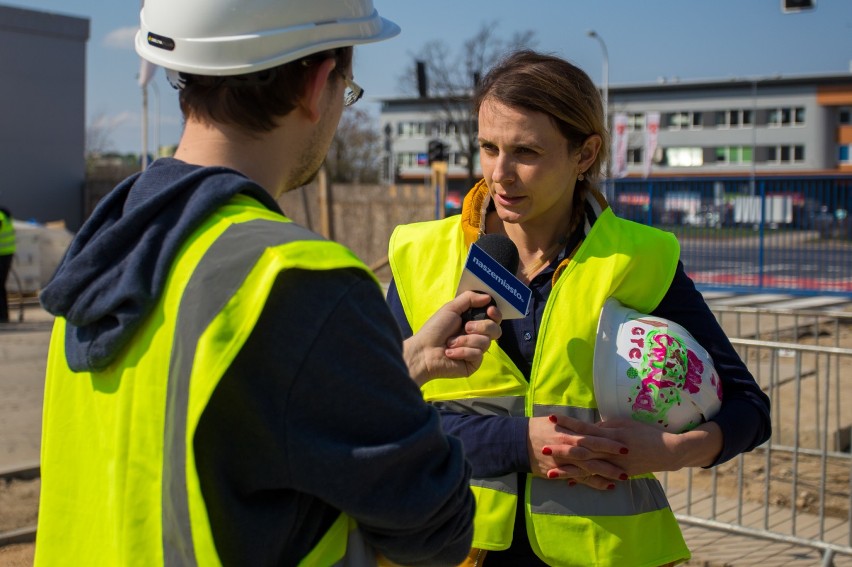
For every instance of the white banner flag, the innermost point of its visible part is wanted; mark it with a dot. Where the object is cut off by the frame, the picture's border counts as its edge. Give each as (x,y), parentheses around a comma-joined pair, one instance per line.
(652,128)
(619,145)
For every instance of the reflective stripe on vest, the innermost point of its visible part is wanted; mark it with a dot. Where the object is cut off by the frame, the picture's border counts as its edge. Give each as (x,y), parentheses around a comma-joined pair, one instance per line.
(7,235)
(121,512)
(241,244)
(576,525)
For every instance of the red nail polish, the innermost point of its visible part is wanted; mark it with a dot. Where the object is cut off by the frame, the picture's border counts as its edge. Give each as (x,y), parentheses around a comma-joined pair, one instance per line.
(610,487)
(552,474)
(623,450)
(572,483)
(546,451)
(623,476)
(552,419)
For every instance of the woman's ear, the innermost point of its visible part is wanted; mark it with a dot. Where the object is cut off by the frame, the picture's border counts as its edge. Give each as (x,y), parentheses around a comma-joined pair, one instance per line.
(311,101)
(589,152)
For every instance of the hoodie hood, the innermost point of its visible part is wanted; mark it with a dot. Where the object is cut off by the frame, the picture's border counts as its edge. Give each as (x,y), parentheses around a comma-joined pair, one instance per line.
(116,267)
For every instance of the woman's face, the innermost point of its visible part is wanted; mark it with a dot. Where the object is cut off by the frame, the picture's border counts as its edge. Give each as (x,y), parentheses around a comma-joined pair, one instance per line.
(527,165)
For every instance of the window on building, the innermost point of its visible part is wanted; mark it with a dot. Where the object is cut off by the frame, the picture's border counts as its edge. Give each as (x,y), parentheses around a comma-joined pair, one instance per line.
(845,154)
(408,160)
(785,154)
(734,154)
(844,115)
(683,120)
(635,122)
(735,118)
(411,129)
(774,117)
(458,159)
(635,156)
(443,129)
(787,116)
(697,121)
(684,157)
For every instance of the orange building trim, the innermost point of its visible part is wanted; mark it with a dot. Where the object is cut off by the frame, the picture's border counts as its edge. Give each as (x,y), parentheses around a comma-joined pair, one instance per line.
(834,95)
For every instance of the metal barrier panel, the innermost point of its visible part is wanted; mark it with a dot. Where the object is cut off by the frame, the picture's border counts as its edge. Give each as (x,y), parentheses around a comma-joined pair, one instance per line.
(746,234)
(797,487)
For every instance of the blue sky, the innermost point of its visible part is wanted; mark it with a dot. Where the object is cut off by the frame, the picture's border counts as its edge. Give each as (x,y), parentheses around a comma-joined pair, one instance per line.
(687,39)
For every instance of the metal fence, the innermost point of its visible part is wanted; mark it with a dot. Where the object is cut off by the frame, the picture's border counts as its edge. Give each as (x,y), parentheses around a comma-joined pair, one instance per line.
(797,487)
(790,234)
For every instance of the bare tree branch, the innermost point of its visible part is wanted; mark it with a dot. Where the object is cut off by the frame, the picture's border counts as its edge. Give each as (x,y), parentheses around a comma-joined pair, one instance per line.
(356,149)
(451,81)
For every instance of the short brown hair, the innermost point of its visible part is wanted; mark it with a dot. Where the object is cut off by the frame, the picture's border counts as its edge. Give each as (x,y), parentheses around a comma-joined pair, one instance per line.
(544,83)
(253,101)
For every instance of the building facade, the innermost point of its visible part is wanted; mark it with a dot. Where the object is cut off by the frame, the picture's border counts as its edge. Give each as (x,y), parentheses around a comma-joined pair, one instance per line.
(779,125)
(42,112)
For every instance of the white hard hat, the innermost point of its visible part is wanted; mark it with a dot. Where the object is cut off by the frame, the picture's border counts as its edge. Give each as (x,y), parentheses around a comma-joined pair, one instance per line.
(235,37)
(652,370)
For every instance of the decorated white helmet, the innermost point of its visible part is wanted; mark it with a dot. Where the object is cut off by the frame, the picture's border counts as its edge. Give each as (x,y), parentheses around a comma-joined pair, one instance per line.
(236,37)
(652,370)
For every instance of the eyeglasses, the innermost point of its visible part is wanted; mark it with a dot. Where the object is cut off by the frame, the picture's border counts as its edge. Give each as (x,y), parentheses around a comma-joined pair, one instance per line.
(353,92)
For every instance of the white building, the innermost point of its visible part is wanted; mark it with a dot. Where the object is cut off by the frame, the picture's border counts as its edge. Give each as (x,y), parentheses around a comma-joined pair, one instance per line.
(780,125)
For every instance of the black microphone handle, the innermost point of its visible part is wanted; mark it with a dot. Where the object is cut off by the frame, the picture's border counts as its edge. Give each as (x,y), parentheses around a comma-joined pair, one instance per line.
(476,313)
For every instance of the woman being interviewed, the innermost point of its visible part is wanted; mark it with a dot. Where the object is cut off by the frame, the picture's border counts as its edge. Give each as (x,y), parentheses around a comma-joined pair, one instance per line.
(555,486)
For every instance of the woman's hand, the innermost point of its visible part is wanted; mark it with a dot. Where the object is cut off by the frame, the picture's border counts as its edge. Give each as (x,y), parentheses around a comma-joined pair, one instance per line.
(561,447)
(654,450)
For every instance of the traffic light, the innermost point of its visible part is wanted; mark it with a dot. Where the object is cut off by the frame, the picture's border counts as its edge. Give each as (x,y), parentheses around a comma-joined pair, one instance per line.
(437,151)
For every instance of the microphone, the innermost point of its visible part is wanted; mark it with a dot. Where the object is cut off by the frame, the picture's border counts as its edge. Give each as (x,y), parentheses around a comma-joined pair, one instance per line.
(493,261)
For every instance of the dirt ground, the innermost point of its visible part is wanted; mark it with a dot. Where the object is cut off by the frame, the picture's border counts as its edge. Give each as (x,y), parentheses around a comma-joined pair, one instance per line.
(19,497)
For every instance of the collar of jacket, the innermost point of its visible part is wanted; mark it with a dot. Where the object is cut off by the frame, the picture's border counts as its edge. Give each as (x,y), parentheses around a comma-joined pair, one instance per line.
(475,210)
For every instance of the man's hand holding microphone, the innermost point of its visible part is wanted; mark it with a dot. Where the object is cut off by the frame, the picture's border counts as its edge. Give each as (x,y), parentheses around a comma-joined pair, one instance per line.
(452,342)
(447,347)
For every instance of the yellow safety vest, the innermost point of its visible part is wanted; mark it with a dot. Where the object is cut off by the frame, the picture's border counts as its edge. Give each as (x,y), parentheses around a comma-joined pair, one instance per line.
(119,484)
(7,235)
(631,525)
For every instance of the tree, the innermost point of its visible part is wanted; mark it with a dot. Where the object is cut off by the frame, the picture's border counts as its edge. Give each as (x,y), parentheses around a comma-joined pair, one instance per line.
(98,135)
(354,155)
(452,78)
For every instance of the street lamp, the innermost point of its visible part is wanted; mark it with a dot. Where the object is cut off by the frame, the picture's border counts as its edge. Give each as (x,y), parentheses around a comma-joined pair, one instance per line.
(594,34)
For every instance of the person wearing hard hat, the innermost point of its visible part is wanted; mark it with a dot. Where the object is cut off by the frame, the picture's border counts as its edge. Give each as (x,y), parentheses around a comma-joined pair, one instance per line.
(225,387)
(7,252)
(554,484)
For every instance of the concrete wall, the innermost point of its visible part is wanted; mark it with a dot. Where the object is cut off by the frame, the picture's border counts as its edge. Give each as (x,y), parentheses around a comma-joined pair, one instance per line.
(42,115)
(361,216)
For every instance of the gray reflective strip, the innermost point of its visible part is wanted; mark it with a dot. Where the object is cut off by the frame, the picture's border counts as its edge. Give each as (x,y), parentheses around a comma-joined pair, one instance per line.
(584,414)
(504,405)
(629,498)
(507,483)
(634,496)
(220,273)
(358,552)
